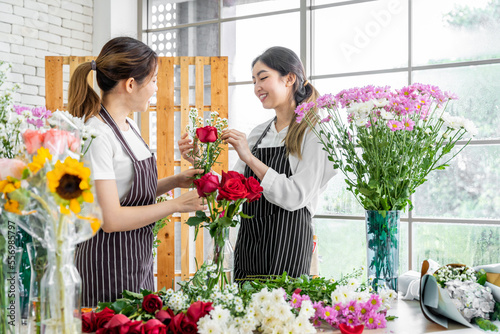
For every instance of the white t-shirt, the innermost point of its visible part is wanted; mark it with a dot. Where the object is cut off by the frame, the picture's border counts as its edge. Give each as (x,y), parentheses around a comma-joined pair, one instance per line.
(310,174)
(108,158)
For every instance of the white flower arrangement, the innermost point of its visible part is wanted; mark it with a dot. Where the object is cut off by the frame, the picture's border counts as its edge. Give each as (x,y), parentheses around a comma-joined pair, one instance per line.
(472,299)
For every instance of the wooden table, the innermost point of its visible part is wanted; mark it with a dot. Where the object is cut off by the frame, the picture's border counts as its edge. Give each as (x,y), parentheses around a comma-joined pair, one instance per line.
(411,321)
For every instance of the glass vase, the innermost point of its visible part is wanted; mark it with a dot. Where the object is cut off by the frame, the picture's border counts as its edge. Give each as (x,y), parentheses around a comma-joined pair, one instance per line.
(10,259)
(38,263)
(60,293)
(22,240)
(223,257)
(382,241)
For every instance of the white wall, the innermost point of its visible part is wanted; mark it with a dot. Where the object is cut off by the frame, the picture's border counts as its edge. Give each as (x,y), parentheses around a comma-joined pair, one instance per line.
(33,29)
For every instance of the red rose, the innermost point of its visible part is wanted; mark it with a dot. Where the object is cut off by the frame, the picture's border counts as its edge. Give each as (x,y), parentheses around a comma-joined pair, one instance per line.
(347,329)
(165,316)
(254,189)
(88,322)
(119,324)
(33,140)
(135,327)
(152,303)
(175,324)
(102,318)
(230,175)
(188,326)
(207,134)
(198,310)
(232,190)
(207,184)
(154,326)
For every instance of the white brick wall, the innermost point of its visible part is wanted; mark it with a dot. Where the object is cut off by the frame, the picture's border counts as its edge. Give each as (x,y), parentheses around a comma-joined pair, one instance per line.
(33,29)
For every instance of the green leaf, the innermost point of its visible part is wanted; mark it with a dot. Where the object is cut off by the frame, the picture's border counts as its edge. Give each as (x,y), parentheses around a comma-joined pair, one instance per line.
(131,295)
(194,221)
(243,215)
(225,221)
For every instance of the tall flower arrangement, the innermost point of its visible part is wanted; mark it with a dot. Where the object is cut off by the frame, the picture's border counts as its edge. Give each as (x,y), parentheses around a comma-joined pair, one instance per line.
(53,200)
(387,141)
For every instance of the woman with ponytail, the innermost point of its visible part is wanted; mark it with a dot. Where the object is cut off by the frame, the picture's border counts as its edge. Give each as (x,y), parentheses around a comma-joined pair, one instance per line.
(291,166)
(120,256)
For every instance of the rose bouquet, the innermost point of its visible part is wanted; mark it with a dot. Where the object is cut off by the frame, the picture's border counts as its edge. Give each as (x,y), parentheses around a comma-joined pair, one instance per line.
(224,199)
(387,142)
(53,200)
(206,139)
(460,293)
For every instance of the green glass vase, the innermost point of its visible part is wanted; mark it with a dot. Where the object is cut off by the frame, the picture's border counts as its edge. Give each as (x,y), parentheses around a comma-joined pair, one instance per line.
(382,243)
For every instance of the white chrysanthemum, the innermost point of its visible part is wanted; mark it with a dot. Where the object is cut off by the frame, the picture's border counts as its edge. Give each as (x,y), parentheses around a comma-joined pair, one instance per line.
(353,283)
(380,103)
(262,296)
(386,115)
(306,309)
(278,295)
(210,327)
(220,314)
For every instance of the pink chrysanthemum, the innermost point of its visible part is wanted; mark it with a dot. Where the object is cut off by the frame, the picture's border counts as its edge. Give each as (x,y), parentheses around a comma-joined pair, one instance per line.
(395,125)
(408,124)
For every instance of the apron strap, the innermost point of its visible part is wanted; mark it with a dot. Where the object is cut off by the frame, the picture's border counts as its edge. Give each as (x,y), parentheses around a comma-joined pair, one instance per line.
(264,133)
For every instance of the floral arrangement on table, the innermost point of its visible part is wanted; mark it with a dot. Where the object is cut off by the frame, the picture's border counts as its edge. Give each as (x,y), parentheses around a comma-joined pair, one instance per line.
(52,198)
(277,305)
(224,197)
(386,144)
(464,296)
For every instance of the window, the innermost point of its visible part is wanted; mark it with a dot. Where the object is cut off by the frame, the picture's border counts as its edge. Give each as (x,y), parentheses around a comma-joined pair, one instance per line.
(451,43)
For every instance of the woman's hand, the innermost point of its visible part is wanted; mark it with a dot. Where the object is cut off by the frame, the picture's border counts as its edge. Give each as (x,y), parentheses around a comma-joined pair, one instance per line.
(185,178)
(239,141)
(186,147)
(189,202)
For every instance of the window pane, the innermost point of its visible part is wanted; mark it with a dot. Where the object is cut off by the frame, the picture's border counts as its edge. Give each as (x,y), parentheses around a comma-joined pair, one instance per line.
(249,7)
(454,30)
(244,40)
(466,189)
(245,109)
(364,36)
(342,246)
(471,245)
(186,42)
(164,13)
(335,85)
(477,88)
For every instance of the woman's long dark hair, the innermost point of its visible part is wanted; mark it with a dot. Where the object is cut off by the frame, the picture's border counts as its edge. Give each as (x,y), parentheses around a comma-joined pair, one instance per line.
(285,61)
(120,58)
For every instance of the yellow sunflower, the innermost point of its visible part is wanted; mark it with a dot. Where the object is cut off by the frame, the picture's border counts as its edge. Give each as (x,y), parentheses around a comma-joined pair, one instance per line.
(39,159)
(10,184)
(12,206)
(69,180)
(95,223)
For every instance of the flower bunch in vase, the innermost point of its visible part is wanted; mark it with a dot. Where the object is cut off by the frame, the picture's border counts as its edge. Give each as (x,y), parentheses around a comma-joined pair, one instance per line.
(386,142)
(224,198)
(206,139)
(52,198)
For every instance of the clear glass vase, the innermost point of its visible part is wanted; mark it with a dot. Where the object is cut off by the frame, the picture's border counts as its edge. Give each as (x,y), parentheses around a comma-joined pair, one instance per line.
(382,241)
(60,293)
(223,257)
(22,240)
(38,263)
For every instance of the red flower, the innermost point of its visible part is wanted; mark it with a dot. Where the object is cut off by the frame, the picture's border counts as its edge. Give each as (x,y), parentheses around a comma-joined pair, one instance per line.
(346,329)
(165,316)
(119,324)
(232,190)
(152,303)
(89,322)
(207,184)
(135,327)
(181,324)
(230,175)
(102,318)
(154,326)
(254,189)
(207,134)
(198,310)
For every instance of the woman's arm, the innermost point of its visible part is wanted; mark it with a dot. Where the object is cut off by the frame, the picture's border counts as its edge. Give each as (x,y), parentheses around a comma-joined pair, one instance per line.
(117,218)
(182,180)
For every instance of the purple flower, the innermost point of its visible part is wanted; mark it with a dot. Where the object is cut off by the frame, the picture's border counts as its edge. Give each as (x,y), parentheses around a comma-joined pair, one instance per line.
(302,110)
(326,101)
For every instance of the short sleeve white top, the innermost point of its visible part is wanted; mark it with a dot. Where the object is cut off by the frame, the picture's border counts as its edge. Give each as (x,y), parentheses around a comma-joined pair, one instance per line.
(310,174)
(108,158)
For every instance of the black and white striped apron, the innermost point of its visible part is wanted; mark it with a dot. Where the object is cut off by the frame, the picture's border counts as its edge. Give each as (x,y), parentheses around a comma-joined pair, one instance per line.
(112,262)
(274,240)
